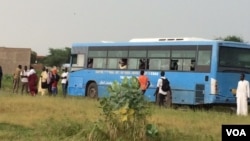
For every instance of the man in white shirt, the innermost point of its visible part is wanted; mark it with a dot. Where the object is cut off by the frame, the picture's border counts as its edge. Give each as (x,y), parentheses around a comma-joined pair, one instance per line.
(64,81)
(24,79)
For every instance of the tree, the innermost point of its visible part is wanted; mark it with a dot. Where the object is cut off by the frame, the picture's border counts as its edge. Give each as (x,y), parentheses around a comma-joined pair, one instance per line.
(57,57)
(231,38)
(33,57)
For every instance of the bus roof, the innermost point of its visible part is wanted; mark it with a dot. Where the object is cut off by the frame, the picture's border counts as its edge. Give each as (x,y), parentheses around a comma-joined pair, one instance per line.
(160,41)
(167,39)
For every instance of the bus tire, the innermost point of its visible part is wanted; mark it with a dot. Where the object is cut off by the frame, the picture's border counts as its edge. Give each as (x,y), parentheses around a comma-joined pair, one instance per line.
(92,91)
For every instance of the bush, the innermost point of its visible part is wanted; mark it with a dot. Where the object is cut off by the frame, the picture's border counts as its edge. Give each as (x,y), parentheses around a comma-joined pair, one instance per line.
(125,110)
(7,82)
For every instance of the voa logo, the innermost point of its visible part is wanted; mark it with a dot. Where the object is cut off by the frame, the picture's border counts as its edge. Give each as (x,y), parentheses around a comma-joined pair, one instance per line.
(236,132)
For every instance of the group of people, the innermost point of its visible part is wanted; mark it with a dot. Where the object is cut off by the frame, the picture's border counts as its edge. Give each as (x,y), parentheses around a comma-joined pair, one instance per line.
(161,94)
(165,95)
(46,83)
(27,78)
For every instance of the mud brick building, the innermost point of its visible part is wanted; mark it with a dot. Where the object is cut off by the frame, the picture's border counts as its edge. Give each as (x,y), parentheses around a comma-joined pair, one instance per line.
(10,58)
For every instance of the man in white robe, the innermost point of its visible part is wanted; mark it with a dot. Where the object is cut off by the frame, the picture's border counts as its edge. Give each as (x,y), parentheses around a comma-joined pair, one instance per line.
(242,95)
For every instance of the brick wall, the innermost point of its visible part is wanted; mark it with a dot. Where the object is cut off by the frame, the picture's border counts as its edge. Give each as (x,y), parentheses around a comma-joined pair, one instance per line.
(10,58)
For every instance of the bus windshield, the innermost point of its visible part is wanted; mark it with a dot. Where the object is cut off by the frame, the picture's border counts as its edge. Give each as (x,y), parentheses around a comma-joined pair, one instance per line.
(233,58)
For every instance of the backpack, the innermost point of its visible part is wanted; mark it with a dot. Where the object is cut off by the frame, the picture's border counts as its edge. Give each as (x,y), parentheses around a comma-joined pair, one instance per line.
(165,85)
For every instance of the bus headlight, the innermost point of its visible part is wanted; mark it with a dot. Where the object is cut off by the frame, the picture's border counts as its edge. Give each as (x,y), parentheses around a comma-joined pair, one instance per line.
(214,86)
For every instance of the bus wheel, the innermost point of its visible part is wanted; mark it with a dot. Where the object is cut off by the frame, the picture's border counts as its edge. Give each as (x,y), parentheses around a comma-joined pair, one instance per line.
(92,90)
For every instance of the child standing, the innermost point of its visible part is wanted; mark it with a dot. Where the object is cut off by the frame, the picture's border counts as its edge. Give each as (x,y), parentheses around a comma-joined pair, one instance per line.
(54,80)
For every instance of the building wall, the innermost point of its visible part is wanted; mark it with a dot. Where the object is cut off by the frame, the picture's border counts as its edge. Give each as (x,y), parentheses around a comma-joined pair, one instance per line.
(10,58)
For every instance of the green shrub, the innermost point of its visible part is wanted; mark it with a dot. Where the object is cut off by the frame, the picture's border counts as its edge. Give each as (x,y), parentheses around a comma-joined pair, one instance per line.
(7,82)
(125,110)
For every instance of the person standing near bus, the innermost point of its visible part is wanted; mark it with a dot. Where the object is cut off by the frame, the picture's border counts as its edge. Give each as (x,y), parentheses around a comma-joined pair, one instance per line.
(64,81)
(160,93)
(24,80)
(143,81)
(43,85)
(32,81)
(242,95)
(16,79)
(54,81)
(49,82)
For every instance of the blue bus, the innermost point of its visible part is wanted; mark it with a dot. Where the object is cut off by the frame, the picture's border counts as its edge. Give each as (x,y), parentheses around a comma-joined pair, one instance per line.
(200,71)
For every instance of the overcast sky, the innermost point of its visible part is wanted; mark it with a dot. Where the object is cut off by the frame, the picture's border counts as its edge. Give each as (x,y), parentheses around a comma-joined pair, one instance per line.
(44,24)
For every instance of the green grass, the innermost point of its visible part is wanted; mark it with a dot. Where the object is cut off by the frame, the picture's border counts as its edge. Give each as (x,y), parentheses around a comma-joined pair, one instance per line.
(44,118)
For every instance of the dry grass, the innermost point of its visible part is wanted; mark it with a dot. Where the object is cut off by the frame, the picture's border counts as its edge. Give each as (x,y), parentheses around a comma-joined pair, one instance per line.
(28,111)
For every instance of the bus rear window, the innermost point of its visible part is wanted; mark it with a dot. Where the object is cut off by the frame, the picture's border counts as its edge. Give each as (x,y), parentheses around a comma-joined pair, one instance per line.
(234,57)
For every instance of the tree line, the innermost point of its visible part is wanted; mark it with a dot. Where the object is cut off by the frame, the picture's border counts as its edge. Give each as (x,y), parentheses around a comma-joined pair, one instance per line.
(56,57)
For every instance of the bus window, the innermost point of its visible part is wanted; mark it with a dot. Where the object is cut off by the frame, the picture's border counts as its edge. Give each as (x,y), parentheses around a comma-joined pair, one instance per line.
(174,65)
(183,64)
(99,53)
(204,57)
(158,53)
(182,59)
(147,66)
(78,60)
(183,53)
(118,53)
(158,64)
(188,65)
(73,59)
(244,60)
(192,67)
(112,63)
(99,63)
(203,62)
(158,59)
(142,63)
(234,57)
(154,64)
(139,63)
(123,62)
(133,63)
(137,53)
(114,59)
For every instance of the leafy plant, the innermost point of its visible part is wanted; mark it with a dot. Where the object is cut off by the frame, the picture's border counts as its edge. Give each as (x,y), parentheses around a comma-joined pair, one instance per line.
(125,110)
(151,130)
